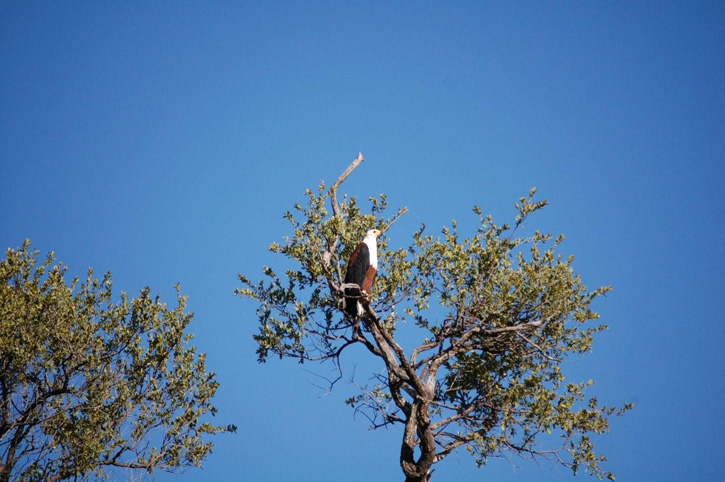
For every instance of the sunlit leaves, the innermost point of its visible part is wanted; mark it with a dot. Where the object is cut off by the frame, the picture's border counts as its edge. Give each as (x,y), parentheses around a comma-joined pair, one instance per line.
(89,382)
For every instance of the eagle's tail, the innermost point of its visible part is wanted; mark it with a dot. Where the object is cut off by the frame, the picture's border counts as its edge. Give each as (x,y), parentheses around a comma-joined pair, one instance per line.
(352,304)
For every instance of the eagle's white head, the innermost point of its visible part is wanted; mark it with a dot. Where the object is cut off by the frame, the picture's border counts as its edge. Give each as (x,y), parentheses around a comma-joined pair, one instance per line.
(372,234)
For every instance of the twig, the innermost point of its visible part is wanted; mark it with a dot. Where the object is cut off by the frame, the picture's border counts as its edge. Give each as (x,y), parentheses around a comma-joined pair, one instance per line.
(541,350)
(330,382)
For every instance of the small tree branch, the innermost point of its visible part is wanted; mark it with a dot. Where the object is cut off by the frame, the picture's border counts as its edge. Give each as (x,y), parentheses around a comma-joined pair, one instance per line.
(539,348)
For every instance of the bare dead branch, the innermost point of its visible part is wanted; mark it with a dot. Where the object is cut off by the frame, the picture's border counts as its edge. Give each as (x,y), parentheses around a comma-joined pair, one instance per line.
(341,179)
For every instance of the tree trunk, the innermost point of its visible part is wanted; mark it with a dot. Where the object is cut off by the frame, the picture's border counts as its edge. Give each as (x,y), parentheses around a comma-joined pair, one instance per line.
(418,424)
(415,478)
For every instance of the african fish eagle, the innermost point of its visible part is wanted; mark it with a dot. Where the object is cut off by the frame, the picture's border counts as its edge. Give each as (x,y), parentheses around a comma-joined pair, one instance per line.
(361,269)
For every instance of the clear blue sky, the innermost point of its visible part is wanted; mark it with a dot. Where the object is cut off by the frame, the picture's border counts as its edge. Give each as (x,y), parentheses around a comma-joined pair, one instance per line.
(162,141)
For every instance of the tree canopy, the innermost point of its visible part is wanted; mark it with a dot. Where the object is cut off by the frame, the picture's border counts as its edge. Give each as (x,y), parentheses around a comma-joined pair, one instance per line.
(88,384)
(496,312)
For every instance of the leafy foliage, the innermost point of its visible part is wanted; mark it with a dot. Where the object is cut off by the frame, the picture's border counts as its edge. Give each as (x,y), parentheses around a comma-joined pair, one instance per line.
(498,314)
(87,384)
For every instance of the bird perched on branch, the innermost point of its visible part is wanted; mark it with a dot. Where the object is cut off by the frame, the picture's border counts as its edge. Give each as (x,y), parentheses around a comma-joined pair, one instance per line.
(361,269)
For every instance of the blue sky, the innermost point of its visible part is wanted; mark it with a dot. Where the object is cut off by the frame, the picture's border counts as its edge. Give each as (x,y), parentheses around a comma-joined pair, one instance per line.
(163,142)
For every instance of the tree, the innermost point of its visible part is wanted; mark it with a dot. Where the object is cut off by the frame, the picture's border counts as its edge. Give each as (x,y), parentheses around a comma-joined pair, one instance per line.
(88,384)
(498,313)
